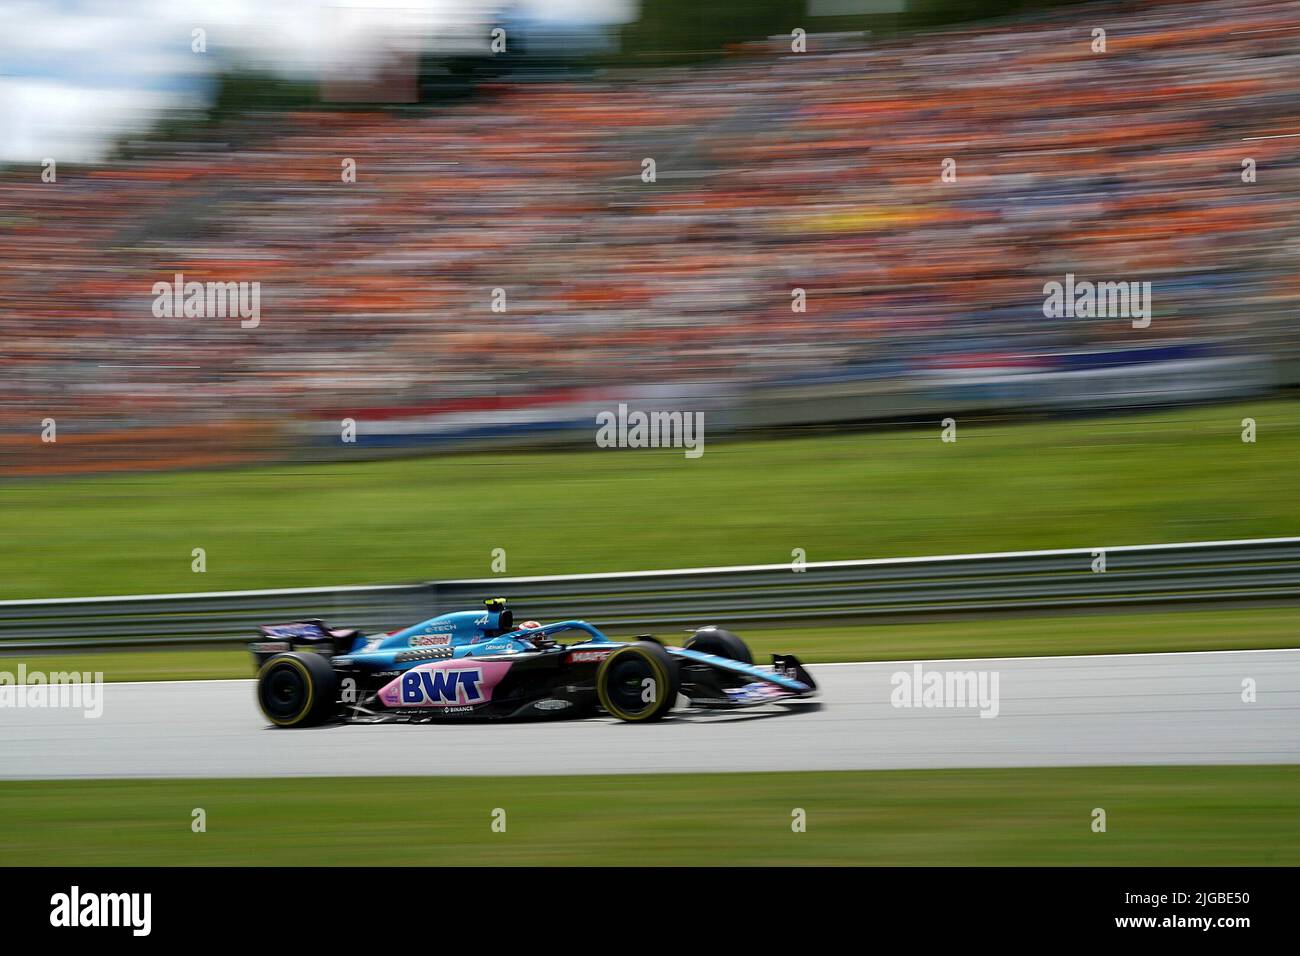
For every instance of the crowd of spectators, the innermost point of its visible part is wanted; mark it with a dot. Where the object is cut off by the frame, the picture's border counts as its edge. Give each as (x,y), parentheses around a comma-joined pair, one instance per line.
(773,170)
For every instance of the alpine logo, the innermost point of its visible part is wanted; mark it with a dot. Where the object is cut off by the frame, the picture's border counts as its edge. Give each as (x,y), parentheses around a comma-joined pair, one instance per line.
(442,686)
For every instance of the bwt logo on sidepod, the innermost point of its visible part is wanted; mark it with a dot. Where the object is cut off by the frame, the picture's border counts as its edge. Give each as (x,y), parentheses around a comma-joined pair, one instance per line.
(445,684)
(442,687)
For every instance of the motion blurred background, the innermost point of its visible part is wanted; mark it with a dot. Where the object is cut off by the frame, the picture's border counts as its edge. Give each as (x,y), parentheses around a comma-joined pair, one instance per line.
(520,169)
(855,210)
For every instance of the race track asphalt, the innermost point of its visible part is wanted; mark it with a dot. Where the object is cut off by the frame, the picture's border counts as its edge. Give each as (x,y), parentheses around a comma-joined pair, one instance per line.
(1092,710)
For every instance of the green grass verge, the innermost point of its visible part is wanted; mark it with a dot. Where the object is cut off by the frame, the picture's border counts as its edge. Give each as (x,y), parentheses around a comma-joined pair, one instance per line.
(1173,476)
(1155,816)
(1014,637)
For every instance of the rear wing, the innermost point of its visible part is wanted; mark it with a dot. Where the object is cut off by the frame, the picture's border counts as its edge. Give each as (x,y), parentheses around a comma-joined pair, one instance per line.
(314,635)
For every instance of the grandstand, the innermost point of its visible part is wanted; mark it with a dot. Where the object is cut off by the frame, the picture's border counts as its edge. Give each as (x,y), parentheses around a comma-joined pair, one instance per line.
(818,171)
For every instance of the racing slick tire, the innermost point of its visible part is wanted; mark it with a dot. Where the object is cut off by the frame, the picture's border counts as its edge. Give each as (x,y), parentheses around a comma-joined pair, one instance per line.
(638,682)
(714,640)
(297,690)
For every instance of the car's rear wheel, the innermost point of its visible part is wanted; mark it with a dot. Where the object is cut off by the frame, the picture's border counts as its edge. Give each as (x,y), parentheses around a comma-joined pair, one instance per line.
(638,682)
(297,690)
(714,640)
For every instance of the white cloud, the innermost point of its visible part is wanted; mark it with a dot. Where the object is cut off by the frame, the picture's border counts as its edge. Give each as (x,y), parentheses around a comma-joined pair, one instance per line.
(75,76)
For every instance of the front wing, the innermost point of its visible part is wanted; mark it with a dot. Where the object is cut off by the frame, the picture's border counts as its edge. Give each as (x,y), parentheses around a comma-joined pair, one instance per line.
(717,682)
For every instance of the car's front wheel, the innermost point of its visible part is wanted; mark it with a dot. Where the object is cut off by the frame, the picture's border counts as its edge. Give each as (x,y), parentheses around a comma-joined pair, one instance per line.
(638,682)
(715,640)
(297,690)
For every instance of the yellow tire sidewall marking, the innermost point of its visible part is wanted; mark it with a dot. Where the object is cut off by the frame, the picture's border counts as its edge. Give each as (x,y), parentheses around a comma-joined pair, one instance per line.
(307,678)
(661,679)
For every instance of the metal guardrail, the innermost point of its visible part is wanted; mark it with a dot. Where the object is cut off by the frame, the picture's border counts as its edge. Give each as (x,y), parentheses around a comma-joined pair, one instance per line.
(1264,570)
(213,617)
(1135,575)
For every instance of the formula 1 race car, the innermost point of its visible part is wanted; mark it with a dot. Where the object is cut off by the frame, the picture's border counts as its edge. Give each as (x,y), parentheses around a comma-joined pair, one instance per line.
(478,665)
